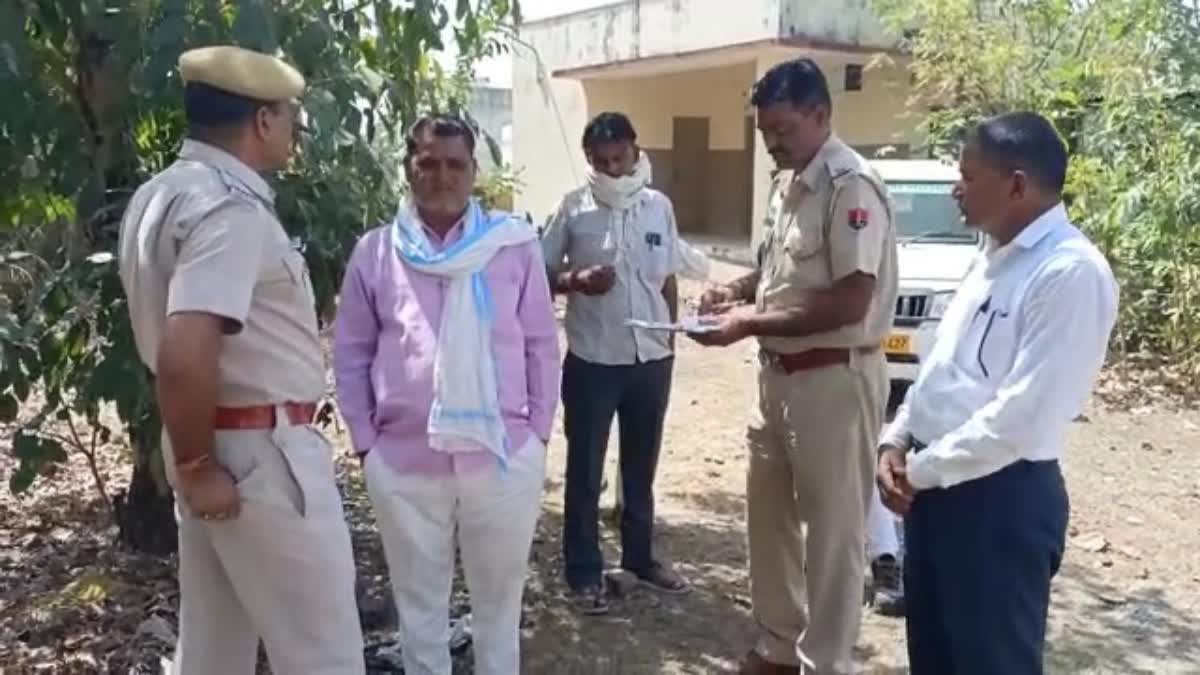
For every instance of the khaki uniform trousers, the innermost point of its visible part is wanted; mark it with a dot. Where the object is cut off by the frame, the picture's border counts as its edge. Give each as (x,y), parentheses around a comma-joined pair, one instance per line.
(812,442)
(283,570)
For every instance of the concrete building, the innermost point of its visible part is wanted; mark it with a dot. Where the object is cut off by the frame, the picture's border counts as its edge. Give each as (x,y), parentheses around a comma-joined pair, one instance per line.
(492,108)
(683,70)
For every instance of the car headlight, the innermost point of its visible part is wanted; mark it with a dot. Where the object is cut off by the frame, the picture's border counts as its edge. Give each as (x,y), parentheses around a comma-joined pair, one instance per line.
(940,301)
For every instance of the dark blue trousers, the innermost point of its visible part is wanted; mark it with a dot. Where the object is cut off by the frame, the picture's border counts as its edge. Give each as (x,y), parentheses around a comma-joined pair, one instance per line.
(591,394)
(979,557)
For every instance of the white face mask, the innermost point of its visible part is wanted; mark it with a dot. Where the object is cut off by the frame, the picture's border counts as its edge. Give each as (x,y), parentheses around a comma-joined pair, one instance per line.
(620,193)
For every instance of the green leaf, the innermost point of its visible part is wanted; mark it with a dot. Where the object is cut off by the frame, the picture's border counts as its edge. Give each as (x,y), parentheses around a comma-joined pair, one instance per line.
(37,450)
(8,408)
(254,26)
(21,479)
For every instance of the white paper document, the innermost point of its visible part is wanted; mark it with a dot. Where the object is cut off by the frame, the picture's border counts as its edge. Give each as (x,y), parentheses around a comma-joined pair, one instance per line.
(688,324)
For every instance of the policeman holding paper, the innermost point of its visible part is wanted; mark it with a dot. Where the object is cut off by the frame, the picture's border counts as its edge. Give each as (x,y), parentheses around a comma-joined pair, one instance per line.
(823,296)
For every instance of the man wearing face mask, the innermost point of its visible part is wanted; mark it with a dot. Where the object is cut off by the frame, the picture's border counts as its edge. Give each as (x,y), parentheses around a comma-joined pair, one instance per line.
(224,315)
(971,459)
(823,297)
(446,356)
(622,253)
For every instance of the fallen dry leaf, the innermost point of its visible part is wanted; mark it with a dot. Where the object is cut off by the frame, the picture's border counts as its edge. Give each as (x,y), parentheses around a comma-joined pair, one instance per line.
(1093,542)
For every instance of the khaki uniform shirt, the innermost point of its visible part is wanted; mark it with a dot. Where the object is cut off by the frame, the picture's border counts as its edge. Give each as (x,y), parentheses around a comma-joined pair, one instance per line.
(202,236)
(825,223)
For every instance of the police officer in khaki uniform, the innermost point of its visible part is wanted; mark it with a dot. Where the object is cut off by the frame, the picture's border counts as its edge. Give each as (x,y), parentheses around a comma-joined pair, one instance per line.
(824,293)
(223,313)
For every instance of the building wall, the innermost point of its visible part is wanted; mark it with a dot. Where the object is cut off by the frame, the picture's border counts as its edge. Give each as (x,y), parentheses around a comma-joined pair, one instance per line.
(638,29)
(550,112)
(548,119)
(553,162)
(492,108)
(720,94)
(875,116)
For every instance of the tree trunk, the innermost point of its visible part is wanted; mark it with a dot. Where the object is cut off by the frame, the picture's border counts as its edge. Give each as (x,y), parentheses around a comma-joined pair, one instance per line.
(146,511)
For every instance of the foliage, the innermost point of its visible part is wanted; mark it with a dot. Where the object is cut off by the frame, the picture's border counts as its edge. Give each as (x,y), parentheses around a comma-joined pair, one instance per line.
(93,110)
(496,189)
(1121,81)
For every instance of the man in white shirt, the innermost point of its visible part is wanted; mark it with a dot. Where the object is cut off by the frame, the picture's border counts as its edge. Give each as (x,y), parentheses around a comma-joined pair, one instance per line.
(971,459)
(622,253)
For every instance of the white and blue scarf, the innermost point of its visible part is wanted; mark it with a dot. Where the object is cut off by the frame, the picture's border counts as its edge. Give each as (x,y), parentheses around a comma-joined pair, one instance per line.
(466,401)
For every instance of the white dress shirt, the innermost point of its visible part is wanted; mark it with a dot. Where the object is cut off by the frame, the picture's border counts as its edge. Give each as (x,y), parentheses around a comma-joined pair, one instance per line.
(642,245)
(1016,355)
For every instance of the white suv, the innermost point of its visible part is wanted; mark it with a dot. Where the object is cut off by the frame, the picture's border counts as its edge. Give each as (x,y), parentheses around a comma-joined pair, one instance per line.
(935,248)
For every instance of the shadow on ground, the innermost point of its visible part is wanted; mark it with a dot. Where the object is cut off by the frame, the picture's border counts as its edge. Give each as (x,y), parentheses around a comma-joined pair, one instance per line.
(1103,629)
(702,632)
(69,597)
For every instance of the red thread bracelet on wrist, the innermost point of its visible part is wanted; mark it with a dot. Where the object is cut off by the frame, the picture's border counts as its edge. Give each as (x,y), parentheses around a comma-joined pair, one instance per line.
(193,464)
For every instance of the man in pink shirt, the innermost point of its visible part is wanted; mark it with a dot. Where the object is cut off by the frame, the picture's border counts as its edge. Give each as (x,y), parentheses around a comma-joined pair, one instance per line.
(447,364)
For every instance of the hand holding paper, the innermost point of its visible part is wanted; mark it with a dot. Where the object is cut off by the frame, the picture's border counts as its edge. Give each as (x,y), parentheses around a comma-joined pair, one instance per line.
(687,324)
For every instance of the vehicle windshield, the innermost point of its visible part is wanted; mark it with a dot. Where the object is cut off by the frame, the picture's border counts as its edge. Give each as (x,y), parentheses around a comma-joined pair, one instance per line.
(926,211)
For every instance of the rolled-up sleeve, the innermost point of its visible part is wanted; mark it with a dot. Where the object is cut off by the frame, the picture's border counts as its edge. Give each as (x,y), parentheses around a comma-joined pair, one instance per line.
(356,333)
(535,311)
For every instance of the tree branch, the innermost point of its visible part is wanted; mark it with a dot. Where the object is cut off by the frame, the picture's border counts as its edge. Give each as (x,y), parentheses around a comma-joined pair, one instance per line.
(89,453)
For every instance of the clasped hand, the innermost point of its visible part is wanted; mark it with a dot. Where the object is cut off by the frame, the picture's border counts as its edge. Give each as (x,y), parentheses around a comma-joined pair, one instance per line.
(892,477)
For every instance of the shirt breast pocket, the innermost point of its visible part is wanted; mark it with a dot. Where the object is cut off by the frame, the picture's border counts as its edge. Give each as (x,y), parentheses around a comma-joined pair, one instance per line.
(591,246)
(803,240)
(996,347)
(655,256)
(285,274)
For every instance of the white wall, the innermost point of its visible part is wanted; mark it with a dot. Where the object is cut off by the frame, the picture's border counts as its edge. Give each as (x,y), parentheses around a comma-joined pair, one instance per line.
(636,29)
(544,109)
(550,113)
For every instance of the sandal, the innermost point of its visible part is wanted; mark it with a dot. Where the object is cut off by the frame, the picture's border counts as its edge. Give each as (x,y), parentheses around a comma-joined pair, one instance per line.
(590,600)
(663,579)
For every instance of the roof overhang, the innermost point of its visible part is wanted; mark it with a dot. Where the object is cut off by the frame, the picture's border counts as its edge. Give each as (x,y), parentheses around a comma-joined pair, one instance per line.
(723,56)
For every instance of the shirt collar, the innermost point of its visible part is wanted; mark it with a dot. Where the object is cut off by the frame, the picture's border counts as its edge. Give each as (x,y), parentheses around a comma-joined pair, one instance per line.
(221,160)
(1053,218)
(436,240)
(811,175)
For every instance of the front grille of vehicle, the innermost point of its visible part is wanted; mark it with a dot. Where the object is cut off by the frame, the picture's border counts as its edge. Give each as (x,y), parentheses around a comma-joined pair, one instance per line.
(909,307)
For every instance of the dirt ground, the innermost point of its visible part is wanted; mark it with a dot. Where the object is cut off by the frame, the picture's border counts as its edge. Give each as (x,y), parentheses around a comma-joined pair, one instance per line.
(1127,600)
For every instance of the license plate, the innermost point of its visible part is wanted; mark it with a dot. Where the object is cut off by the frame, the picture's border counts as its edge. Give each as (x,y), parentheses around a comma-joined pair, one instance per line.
(898,344)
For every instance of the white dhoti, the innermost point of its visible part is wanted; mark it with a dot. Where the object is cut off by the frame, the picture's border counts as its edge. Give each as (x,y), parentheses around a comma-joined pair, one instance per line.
(495,513)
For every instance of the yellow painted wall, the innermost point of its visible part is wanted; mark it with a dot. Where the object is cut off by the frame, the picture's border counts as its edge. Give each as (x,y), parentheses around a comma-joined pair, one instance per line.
(549,115)
(878,114)
(720,94)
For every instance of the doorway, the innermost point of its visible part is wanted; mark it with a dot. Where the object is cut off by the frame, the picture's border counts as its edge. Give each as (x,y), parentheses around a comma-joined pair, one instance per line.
(689,173)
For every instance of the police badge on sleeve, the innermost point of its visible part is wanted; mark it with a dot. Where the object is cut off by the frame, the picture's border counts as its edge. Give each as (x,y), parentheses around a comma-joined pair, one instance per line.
(858,218)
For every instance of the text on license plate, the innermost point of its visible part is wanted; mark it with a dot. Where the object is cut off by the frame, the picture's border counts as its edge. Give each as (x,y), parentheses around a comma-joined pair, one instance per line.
(898,344)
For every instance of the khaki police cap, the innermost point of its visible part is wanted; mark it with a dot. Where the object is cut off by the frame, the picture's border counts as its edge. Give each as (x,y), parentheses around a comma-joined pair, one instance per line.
(243,72)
